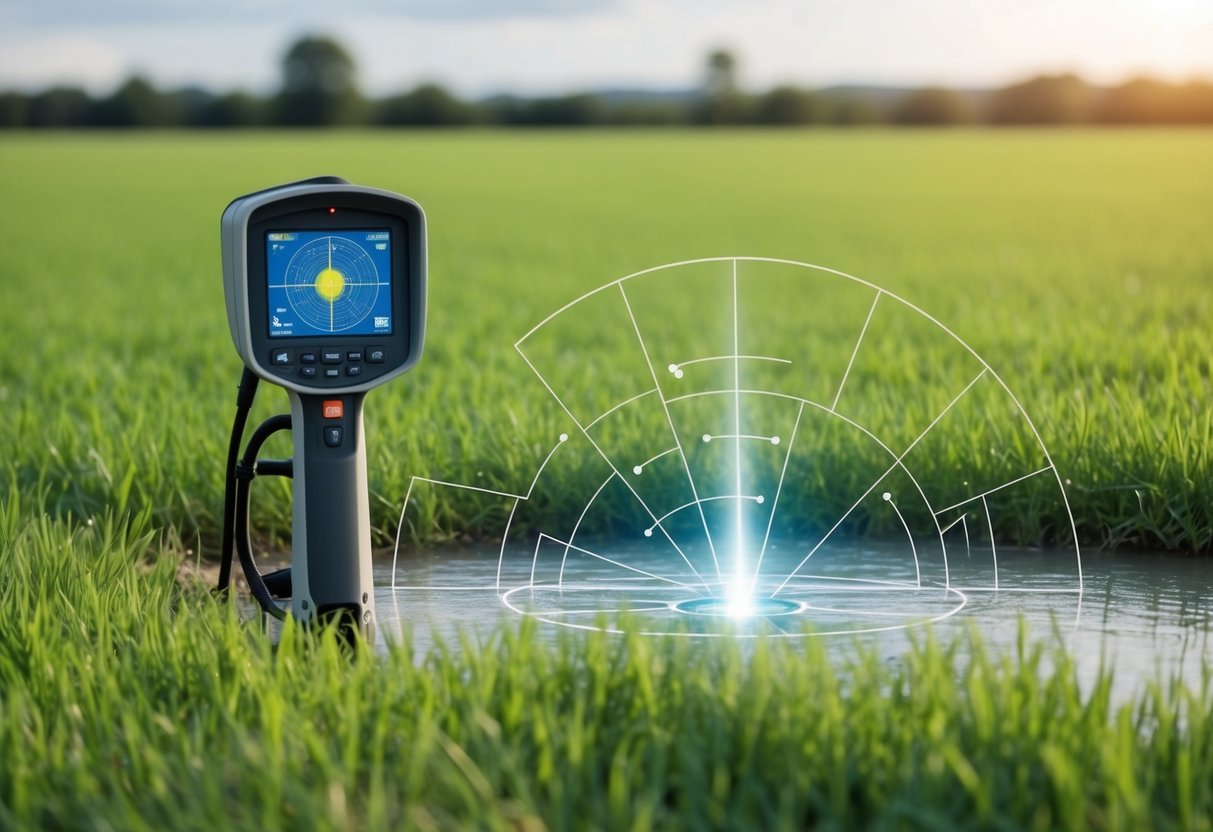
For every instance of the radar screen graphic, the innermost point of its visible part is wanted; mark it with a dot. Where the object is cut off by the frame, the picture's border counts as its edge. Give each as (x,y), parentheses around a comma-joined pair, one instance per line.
(321,283)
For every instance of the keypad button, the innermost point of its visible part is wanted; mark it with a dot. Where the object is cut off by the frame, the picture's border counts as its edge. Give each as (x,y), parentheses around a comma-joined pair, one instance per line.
(307,357)
(333,437)
(332,372)
(330,356)
(307,372)
(281,358)
(353,370)
(353,355)
(376,355)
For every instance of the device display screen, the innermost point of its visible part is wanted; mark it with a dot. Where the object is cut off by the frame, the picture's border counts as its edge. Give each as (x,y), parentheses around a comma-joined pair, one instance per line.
(329,282)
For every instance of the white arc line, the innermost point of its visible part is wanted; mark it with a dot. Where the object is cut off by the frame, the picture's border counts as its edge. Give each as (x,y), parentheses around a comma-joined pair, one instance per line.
(573,536)
(600,611)
(710,437)
(623,403)
(564,437)
(888,498)
(638,469)
(756,498)
(674,368)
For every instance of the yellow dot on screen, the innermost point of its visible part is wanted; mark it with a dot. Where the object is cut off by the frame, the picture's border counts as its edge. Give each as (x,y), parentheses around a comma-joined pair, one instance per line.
(330,283)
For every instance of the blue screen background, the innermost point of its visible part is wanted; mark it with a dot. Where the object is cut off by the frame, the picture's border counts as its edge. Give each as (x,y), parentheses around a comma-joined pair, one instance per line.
(329,282)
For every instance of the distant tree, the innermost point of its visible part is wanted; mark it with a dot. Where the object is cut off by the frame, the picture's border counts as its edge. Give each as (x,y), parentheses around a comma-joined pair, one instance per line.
(651,113)
(853,111)
(233,109)
(136,103)
(14,110)
(723,102)
(1147,101)
(318,84)
(1135,101)
(60,107)
(192,103)
(427,105)
(498,109)
(1195,101)
(933,106)
(791,105)
(562,111)
(721,73)
(1046,99)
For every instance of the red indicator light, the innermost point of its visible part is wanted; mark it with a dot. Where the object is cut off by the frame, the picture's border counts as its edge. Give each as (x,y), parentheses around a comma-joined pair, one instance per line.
(332,210)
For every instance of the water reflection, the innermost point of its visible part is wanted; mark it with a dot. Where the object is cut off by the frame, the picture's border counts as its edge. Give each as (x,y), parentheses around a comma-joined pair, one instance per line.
(1142,613)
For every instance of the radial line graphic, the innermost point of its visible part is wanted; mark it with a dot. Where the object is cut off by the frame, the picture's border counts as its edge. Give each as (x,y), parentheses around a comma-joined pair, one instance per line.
(677,440)
(872,487)
(608,461)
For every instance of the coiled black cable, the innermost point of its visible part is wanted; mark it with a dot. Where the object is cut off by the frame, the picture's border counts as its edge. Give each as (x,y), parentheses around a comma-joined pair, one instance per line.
(246,392)
(246,470)
(240,472)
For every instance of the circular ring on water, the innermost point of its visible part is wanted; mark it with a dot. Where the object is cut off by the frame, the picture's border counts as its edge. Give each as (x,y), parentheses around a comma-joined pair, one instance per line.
(714,606)
(652,614)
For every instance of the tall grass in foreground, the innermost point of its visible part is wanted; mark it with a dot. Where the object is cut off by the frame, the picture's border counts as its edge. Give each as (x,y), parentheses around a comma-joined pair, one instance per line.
(130,701)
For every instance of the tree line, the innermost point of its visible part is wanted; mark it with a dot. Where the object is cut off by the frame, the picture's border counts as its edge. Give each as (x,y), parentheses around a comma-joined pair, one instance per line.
(319,88)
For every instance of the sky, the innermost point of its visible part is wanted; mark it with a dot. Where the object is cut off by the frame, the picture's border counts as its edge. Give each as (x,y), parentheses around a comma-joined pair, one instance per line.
(536,47)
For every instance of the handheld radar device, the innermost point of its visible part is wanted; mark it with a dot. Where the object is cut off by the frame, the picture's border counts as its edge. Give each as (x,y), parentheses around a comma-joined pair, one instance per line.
(325,284)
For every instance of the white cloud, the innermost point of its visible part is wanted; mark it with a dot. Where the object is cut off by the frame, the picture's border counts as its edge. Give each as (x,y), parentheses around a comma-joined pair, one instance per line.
(62,59)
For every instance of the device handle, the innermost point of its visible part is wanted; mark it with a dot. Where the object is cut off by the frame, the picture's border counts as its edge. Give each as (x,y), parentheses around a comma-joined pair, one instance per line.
(331,568)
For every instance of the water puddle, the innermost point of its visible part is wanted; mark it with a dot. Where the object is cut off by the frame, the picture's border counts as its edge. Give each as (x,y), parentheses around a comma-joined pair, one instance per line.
(1145,614)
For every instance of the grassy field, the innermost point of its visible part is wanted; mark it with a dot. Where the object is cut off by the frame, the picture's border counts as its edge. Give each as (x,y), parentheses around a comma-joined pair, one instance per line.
(130,702)
(1079,263)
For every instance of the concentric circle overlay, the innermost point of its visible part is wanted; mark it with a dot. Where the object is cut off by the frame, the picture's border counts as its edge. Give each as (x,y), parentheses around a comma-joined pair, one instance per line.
(332,283)
(752,447)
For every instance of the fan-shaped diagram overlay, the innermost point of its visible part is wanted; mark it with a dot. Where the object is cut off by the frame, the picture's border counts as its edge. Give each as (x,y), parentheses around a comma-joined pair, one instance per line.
(736,424)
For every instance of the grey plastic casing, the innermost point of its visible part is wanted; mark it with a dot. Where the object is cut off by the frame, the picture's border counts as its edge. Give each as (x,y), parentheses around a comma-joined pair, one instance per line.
(325,191)
(331,565)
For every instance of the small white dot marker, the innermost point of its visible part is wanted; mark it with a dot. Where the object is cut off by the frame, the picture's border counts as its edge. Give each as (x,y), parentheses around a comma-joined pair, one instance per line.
(707,437)
(774,440)
(673,368)
(678,374)
(564,437)
(760,499)
(887,497)
(648,532)
(636,469)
